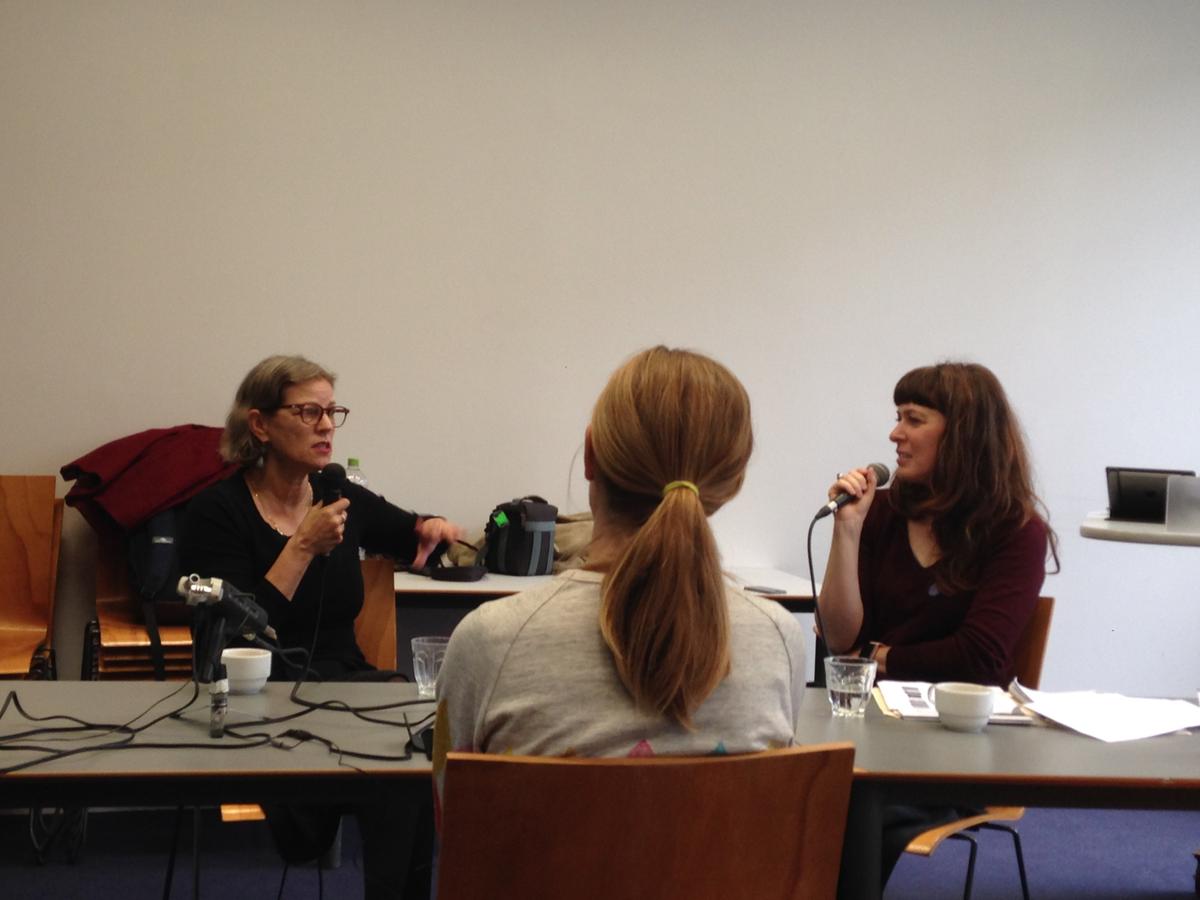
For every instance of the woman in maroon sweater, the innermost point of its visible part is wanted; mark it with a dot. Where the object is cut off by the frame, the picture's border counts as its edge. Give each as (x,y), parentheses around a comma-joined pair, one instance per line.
(938,577)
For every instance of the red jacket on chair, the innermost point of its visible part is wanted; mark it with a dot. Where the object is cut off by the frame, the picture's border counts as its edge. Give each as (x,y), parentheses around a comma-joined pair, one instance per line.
(126,481)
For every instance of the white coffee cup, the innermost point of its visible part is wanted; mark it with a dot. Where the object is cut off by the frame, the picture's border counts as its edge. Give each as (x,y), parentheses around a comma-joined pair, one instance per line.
(962,706)
(246,668)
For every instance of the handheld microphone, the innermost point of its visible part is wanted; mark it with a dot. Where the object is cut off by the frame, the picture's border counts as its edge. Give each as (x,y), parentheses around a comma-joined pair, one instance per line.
(882,474)
(331,479)
(237,607)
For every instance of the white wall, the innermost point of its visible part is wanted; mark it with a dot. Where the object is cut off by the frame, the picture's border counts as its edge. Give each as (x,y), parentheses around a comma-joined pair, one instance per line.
(473,211)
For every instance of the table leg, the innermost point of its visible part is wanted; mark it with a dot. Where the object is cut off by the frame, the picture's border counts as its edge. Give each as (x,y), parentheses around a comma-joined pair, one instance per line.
(862,851)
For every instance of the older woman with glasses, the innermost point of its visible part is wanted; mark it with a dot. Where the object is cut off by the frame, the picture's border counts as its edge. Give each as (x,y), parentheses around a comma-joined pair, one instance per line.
(269,531)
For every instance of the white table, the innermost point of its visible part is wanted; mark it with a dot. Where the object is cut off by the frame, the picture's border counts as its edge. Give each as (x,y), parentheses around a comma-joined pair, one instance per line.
(1099,526)
(788,587)
(425,606)
(896,761)
(176,761)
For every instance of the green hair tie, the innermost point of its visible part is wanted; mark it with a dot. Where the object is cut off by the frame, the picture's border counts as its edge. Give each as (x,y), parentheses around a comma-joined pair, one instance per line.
(681,484)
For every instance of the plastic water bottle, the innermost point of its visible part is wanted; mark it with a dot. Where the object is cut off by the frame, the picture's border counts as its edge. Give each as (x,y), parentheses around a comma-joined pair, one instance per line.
(354,472)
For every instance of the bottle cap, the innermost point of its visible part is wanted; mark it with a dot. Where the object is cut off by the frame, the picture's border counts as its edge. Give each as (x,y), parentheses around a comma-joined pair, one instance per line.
(352,461)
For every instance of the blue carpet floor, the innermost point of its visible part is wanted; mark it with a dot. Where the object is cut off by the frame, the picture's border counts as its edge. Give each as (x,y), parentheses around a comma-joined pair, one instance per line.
(124,857)
(1068,853)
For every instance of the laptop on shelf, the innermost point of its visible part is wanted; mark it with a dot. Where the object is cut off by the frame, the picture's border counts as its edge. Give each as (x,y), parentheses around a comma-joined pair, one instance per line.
(1139,495)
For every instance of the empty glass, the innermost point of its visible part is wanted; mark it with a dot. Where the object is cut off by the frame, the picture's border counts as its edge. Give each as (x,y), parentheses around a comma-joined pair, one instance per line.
(428,653)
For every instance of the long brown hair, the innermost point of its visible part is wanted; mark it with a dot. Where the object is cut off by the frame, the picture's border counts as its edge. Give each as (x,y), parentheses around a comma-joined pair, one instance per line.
(666,416)
(981,489)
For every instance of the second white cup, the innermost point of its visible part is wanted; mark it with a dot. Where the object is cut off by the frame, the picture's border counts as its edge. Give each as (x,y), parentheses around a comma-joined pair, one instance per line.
(962,706)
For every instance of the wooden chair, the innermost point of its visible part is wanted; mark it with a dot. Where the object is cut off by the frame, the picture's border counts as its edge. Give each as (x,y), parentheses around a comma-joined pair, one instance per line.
(30,531)
(763,825)
(1028,657)
(375,627)
(1030,651)
(116,642)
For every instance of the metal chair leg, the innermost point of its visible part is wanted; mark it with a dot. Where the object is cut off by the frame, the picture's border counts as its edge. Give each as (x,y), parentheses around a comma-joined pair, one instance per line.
(57,826)
(77,820)
(963,836)
(332,857)
(89,668)
(996,826)
(195,853)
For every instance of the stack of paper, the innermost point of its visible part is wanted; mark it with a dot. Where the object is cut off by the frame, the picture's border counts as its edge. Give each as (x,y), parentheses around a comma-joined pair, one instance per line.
(1109,717)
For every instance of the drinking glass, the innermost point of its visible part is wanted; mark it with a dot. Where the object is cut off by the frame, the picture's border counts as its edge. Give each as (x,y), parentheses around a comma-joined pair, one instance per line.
(428,653)
(849,680)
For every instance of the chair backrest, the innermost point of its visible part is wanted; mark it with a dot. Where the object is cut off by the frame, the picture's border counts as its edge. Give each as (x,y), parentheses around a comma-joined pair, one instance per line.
(1030,651)
(375,627)
(30,527)
(763,825)
(120,645)
(55,546)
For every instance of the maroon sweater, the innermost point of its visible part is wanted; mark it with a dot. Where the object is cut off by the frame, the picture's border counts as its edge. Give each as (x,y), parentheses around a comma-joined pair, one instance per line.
(968,636)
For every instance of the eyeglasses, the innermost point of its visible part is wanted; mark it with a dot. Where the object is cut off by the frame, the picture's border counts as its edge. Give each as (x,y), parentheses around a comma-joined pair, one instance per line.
(310,413)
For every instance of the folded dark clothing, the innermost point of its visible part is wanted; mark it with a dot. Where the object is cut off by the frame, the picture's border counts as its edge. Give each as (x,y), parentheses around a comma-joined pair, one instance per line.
(125,482)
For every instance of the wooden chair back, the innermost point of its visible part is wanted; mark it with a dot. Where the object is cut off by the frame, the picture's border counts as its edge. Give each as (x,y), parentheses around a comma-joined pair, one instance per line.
(1028,657)
(763,825)
(55,546)
(117,645)
(30,529)
(375,627)
(1030,651)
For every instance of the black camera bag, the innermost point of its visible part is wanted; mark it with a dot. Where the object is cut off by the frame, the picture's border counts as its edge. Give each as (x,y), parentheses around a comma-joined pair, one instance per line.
(520,537)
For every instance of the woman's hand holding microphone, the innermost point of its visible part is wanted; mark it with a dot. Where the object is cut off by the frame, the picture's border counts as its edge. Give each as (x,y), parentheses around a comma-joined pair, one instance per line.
(323,527)
(851,495)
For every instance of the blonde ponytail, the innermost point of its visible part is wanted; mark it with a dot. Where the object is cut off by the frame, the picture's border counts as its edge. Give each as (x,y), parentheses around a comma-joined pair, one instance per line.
(669,419)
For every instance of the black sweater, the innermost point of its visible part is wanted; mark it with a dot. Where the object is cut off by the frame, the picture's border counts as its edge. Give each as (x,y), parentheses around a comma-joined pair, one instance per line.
(224,536)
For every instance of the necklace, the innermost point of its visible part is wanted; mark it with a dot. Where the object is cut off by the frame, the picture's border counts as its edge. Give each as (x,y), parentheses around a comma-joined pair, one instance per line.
(262,508)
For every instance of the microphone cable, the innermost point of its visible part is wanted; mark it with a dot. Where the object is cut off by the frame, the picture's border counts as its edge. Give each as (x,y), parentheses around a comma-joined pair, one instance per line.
(882,477)
(81,725)
(821,650)
(128,732)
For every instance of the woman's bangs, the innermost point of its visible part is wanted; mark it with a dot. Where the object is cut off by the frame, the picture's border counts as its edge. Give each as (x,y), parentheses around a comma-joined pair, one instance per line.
(920,386)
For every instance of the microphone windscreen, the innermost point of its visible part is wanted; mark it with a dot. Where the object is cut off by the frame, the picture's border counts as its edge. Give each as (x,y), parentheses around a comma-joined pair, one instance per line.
(882,474)
(333,476)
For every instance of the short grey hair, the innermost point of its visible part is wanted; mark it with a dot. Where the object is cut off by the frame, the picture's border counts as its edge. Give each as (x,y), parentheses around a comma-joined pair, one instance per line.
(262,389)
